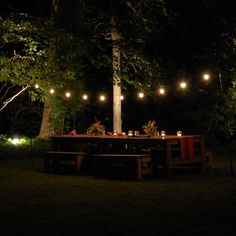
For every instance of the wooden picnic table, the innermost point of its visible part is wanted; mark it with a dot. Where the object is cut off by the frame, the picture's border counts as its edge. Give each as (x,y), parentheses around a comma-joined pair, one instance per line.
(170,150)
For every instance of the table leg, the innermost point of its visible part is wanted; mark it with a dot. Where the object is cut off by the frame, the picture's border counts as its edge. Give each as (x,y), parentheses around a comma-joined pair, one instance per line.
(167,158)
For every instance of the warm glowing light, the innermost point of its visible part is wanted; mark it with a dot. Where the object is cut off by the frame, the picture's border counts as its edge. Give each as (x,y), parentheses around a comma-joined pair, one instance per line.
(15,141)
(141,95)
(183,85)
(85,97)
(130,133)
(36,86)
(52,91)
(206,77)
(121,97)
(102,98)
(68,94)
(179,133)
(162,91)
(163,134)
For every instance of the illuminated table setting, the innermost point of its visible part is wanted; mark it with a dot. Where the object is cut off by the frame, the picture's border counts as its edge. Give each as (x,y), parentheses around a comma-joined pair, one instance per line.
(166,150)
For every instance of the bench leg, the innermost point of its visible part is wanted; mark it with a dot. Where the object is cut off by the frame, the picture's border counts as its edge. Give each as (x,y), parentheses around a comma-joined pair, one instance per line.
(55,161)
(139,169)
(78,163)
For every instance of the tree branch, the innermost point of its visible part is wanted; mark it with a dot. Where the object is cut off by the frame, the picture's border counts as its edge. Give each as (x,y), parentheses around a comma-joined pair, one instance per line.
(5,93)
(13,97)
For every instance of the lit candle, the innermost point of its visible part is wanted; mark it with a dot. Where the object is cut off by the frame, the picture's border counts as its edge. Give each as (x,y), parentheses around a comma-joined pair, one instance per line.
(163,134)
(130,133)
(179,133)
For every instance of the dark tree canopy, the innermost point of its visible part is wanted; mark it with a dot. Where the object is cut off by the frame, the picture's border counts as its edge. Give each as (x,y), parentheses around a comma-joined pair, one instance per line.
(161,42)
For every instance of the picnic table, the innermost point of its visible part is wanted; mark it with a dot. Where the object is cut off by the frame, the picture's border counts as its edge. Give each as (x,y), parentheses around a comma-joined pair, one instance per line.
(168,151)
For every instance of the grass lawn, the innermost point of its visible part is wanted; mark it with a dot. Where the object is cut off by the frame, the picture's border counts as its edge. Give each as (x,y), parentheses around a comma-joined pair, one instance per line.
(36,203)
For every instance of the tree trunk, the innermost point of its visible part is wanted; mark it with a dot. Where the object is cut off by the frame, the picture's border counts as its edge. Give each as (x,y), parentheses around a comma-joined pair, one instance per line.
(46,129)
(117,123)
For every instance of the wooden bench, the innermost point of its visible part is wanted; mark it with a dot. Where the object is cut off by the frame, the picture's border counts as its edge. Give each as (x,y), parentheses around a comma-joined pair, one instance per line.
(122,165)
(56,161)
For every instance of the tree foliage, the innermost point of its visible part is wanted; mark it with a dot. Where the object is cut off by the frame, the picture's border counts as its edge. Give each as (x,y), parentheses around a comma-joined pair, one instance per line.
(90,23)
(160,41)
(25,62)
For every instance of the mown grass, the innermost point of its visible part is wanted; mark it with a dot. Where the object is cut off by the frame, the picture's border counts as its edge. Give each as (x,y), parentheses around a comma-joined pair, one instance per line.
(36,203)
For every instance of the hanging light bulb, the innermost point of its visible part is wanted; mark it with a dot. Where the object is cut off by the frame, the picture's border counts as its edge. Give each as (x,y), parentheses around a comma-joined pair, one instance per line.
(206,76)
(68,94)
(183,85)
(141,95)
(85,97)
(102,98)
(52,91)
(162,91)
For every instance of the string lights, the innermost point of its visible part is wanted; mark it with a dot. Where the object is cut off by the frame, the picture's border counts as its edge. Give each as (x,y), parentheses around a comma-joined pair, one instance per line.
(85,97)
(161,90)
(121,97)
(141,95)
(68,94)
(52,91)
(206,76)
(36,86)
(183,84)
(102,98)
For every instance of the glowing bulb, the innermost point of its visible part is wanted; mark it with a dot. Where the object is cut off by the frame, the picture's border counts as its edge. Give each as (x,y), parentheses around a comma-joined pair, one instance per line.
(67,94)
(206,76)
(183,85)
(85,97)
(179,133)
(121,97)
(141,95)
(52,91)
(102,98)
(15,141)
(162,91)
(36,86)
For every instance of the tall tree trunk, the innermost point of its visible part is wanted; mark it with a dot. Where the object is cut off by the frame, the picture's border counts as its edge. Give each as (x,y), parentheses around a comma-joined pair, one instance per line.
(117,123)
(47,129)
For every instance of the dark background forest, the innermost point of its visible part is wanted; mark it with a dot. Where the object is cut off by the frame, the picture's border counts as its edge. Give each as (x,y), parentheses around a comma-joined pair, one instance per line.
(186,40)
